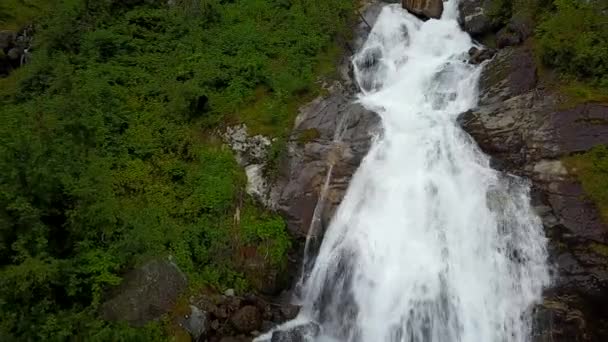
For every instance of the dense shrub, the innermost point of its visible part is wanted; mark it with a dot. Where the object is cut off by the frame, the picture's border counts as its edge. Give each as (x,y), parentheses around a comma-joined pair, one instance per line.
(574,39)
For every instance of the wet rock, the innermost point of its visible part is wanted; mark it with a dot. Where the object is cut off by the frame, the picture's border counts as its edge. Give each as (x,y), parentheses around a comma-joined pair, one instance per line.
(424,8)
(479,56)
(146,293)
(247,319)
(289,311)
(558,319)
(229,293)
(345,130)
(512,72)
(300,333)
(195,323)
(474,17)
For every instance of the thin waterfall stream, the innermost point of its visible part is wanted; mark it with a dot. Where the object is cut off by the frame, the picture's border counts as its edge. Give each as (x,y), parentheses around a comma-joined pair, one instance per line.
(430,244)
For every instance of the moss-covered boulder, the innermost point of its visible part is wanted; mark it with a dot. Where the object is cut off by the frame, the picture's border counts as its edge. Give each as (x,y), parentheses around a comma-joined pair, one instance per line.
(146,293)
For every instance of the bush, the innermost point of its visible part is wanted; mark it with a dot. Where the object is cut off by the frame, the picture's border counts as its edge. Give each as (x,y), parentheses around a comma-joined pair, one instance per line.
(574,40)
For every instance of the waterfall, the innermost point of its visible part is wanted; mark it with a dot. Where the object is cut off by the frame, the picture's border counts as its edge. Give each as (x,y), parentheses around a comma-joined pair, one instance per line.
(429,244)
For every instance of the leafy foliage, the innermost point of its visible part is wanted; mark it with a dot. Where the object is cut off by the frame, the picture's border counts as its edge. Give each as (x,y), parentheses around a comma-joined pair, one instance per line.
(106,157)
(574,39)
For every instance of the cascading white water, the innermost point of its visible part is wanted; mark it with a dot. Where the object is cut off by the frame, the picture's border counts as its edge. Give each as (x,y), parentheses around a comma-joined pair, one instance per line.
(430,244)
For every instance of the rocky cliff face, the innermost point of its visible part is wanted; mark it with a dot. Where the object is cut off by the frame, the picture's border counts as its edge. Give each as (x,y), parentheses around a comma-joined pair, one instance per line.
(523,125)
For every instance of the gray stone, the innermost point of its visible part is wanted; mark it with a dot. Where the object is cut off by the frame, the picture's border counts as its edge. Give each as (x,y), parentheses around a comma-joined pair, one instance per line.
(300,333)
(251,153)
(479,56)
(424,8)
(146,293)
(474,17)
(196,323)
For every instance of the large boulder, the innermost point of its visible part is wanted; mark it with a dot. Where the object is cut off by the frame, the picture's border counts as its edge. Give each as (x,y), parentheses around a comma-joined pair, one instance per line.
(478,56)
(474,17)
(424,8)
(146,293)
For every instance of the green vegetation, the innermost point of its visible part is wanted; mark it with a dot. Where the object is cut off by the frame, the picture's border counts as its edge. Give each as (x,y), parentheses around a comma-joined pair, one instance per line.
(16,13)
(106,155)
(574,40)
(571,44)
(592,170)
(501,11)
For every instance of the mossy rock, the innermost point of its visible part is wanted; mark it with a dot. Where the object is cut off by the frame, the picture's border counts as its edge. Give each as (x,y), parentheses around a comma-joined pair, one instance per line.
(308,135)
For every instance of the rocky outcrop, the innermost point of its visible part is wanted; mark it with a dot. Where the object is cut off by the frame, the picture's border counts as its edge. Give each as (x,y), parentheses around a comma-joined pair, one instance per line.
(474,17)
(251,153)
(521,125)
(479,19)
(424,8)
(15,49)
(478,56)
(214,317)
(146,293)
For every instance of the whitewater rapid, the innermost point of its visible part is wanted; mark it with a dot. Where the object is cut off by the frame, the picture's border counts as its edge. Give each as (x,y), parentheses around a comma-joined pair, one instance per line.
(430,243)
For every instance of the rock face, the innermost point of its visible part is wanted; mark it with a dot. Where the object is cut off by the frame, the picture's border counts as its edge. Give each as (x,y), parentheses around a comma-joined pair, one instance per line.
(479,56)
(424,8)
(15,49)
(195,323)
(474,17)
(146,293)
(520,124)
